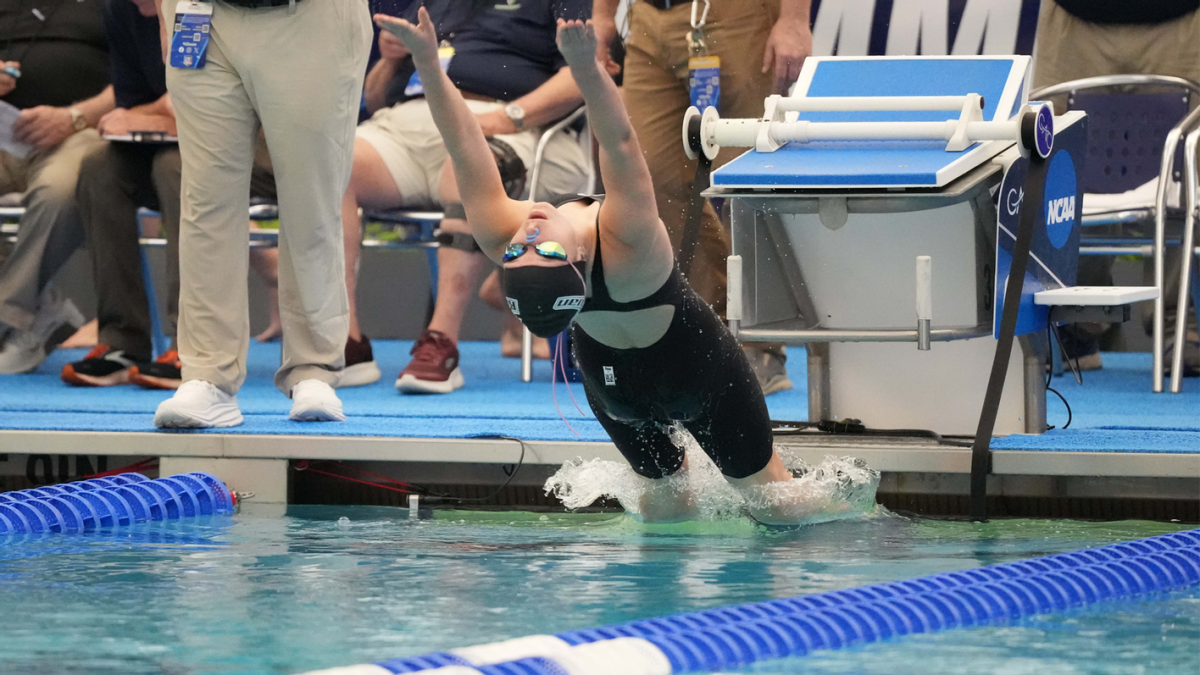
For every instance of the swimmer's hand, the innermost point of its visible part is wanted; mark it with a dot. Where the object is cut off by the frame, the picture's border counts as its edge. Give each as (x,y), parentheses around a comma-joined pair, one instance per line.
(421,39)
(577,43)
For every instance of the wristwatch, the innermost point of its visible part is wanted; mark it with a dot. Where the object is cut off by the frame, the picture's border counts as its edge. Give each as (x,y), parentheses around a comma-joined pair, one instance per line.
(517,114)
(78,121)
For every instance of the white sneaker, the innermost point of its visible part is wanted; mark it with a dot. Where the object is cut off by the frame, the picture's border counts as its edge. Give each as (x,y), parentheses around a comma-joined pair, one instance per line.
(198,405)
(57,319)
(315,401)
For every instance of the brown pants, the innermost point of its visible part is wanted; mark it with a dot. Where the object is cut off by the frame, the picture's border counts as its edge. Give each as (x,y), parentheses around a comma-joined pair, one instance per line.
(657,95)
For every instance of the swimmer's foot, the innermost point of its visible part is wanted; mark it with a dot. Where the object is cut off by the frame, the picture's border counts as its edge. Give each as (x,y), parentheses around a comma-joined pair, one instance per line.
(434,366)
(315,401)
(667,510)
(667,500)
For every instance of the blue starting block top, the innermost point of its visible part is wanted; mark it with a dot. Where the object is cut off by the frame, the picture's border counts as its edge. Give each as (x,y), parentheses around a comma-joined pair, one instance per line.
(1002,81)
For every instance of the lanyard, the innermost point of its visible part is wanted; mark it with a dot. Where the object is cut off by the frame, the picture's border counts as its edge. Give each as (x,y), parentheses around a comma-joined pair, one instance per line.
(695,38)
(699,25)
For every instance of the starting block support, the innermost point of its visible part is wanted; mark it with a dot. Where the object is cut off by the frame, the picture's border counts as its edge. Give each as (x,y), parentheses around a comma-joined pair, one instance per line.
(877,162)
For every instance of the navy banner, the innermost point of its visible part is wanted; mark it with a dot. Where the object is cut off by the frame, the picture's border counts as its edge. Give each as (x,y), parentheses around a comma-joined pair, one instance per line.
(925,27)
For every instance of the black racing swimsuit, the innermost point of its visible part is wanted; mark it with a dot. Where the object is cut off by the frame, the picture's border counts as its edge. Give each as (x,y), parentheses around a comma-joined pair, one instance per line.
(695,375)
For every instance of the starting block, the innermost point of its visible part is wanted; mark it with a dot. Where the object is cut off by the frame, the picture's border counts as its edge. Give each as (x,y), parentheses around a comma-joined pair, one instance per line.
(878,206)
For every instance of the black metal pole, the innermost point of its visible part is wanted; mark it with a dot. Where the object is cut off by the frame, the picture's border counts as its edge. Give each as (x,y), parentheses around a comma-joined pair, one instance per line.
(695,209)
(981,452)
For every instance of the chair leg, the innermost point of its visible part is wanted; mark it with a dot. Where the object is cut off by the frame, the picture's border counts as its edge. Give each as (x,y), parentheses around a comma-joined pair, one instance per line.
(1187,270)
(1195,275)
(526,355)
(1056,359)
(431,254)
(158,339)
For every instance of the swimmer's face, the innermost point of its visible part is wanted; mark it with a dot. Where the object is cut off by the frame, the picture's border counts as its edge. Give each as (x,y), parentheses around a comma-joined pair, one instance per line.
(545,223)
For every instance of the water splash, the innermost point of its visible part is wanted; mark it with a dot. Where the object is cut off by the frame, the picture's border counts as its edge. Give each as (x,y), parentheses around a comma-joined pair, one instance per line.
(838,488)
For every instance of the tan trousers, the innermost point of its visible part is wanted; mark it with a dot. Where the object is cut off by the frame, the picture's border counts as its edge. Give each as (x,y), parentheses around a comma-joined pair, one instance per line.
(657,95)
(299,77)
(1069,48)
(50,231)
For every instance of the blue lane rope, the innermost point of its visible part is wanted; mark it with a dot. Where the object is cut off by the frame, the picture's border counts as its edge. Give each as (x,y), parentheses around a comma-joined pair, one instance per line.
(111,502)
(734,636)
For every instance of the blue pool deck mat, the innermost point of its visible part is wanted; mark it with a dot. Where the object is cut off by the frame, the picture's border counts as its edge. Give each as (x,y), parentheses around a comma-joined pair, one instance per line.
(1114,409)
(732,637)
(1001,80)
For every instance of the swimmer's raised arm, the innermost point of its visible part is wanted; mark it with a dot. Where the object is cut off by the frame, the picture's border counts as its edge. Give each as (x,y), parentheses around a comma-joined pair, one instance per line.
(629,209)
(494,217)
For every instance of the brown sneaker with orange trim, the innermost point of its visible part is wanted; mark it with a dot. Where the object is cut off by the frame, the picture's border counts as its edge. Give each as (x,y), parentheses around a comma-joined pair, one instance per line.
(164,373)
(102,367)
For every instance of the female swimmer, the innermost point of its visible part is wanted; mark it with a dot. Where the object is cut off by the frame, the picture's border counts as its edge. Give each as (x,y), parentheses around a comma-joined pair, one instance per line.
(653,354)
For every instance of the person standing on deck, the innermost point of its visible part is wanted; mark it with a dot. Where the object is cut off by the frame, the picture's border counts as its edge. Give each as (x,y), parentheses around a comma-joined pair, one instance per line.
(295,69)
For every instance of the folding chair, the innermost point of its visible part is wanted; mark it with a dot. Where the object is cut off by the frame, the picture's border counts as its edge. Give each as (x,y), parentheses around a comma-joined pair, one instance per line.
(1130,130)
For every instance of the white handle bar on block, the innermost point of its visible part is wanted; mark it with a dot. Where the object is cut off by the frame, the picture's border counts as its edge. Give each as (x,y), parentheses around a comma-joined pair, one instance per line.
(1032,128)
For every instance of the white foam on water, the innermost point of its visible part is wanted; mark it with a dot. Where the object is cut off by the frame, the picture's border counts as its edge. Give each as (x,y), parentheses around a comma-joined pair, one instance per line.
(838,488)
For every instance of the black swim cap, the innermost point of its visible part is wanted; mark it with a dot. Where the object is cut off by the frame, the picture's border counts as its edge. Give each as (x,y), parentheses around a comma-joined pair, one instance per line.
(545,299)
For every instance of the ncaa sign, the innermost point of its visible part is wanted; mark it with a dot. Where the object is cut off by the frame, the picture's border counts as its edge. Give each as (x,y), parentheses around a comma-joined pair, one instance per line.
(1060,199)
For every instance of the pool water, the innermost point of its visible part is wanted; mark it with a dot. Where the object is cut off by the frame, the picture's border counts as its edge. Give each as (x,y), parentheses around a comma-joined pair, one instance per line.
(329,586)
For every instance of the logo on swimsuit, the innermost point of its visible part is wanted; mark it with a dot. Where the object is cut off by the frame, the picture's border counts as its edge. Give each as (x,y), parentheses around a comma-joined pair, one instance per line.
(508,5)
(574,302)
(513,306)
(610,378)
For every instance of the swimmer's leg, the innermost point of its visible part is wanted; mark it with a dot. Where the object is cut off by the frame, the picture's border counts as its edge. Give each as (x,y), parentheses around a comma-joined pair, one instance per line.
(736,434)
(649,450)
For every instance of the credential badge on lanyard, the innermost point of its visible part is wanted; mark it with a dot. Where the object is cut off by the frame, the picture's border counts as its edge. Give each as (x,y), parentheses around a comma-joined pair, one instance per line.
(414,87)
(704,70)
(189,44)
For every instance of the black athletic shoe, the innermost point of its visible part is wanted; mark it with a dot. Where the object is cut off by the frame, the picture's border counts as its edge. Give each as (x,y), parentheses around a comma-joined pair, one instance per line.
(102,367)
(165,372)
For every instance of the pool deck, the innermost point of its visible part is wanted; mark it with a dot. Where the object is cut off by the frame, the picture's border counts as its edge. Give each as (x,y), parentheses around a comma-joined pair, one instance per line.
(1124,441)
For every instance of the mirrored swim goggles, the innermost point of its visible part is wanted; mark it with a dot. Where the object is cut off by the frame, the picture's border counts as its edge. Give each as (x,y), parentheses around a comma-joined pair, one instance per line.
(546,249)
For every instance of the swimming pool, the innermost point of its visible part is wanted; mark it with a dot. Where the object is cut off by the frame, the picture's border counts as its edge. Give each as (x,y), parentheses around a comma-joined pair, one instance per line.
(328,586)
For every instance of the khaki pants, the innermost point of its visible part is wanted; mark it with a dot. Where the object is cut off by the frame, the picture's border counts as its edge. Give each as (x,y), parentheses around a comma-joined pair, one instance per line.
(50,230)
(1069,48)
(657,95)
(298,76)
(408,141)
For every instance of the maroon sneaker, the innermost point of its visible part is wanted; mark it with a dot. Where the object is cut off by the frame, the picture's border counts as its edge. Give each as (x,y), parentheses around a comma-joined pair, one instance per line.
(434,366)
(361,368)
